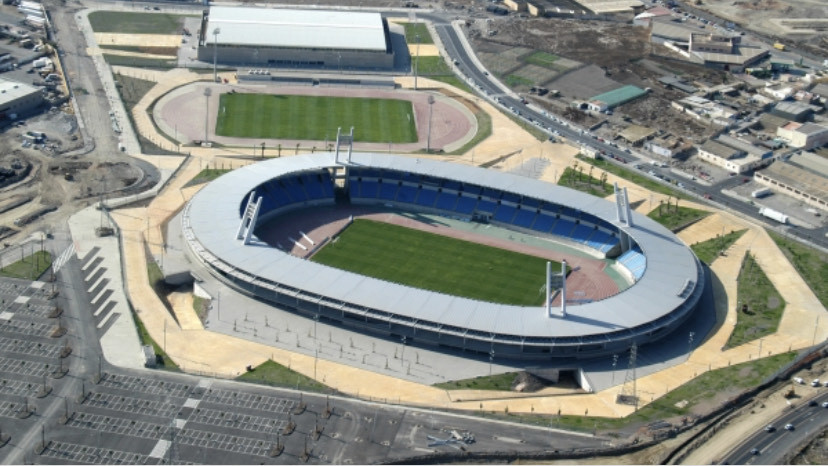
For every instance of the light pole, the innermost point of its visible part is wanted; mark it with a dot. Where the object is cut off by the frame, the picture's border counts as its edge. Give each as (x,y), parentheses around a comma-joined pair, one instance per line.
(417,61)
(430,107)
(216,32)
(207,93)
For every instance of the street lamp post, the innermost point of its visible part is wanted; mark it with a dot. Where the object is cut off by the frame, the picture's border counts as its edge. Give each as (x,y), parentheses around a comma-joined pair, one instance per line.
(430,107)
(207,93)
(216,32)
(417,61)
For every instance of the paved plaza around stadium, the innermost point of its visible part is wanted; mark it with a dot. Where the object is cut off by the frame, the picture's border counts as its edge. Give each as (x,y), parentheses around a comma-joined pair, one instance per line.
(224,354)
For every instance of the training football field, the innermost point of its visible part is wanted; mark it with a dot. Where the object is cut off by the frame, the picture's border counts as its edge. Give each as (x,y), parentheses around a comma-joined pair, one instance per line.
(437,263)
(271,116)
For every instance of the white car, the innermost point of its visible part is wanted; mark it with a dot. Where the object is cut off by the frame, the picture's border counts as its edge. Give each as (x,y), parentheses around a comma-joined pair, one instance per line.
(789,426)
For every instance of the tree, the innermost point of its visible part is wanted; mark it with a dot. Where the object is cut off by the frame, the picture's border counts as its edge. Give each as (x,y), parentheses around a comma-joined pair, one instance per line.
(604,179)
(297,148)
(279,150)
(263,148)
(589,177)
(677,201)
(660,204)
(580,173)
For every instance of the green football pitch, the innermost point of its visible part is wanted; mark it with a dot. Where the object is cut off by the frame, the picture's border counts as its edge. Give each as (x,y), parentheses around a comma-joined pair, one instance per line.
(437,263)
(270,116)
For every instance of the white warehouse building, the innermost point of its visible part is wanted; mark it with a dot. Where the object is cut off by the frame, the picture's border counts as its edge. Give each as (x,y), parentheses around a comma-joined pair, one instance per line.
(315,39)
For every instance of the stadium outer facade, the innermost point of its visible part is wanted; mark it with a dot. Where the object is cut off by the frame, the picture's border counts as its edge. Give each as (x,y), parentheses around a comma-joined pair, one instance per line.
(219,223)
(295,38)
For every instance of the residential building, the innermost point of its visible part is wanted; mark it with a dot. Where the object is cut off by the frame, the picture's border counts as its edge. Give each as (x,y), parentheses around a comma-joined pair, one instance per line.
(804,136)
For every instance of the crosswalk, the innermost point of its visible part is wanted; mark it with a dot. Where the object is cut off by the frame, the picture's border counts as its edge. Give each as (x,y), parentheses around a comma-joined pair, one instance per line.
(63,257)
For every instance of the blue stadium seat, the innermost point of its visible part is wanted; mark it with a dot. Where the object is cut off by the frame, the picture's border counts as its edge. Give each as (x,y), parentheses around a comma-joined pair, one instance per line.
(465,205)
(581,233)
(563,227)
(388,190)
(492,193)
(353,188)
(294,189)
(511,197)
(427,197)
(406,194)
(525,218)
(451,184)
(446,201)
(544,223)
(472,189)
(328,185)
(369,189)
(313,185)
(486,206)
(505,213)
(391,175)
(634,261)
(530,202)
(569,212)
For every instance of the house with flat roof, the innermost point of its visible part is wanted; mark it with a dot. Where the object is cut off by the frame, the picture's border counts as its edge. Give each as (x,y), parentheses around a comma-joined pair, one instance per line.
(803,136)
(734,155)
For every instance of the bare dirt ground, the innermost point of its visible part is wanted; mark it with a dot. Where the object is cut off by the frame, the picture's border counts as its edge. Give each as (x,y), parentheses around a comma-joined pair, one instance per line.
(57,179)
(804,21)
(609,55)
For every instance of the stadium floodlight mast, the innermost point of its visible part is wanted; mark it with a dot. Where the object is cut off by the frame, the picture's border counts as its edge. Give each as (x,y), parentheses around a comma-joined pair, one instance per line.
(430,107)
(216,32)
(417,60)
(207,93)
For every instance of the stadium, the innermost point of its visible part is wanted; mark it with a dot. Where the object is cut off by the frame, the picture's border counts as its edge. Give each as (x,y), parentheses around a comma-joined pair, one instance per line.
(223,223)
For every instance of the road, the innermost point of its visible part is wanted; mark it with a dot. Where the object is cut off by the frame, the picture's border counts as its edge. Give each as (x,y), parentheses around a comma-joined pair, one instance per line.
(774,446)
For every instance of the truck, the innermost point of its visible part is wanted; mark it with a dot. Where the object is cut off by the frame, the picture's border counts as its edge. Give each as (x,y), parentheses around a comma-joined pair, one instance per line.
(760,193)
(779,46)
(773,215)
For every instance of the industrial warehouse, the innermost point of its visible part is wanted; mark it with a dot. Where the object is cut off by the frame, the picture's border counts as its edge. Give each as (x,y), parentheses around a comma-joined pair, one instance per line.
(314,39)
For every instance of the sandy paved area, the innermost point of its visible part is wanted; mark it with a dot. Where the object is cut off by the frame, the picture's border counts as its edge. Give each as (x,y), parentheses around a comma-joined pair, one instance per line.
(138,40)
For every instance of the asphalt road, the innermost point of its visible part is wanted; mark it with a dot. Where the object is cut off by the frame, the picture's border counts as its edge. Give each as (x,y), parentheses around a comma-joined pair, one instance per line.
(773,446)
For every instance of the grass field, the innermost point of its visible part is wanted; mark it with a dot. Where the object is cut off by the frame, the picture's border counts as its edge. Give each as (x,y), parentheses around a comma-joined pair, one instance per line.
(541,59)
(126,22)
(764,305)
(499,382)
(708,251)
(673,218)
(629,174)
(811,264)
(584,183)
(437,263)
(315,118)
(30,267)
(412,30)
(705,387)
(272,373)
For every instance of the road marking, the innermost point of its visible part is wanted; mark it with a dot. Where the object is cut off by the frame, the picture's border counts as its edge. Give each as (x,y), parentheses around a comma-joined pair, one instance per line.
(63,257)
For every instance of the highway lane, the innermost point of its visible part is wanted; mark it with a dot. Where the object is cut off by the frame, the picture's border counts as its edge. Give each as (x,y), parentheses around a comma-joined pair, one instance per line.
(773,446)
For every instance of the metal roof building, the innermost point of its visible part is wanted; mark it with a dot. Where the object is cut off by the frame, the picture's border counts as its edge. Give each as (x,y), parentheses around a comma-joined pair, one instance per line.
(17,98)
(295,38)
(664,294)
(619,96)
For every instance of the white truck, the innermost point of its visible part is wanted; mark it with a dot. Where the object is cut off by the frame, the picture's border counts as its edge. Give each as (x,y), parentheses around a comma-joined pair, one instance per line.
(760,193)
(773,214)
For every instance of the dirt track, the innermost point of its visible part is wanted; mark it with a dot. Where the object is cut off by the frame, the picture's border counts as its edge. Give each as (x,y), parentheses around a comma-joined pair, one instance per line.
(452,122)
